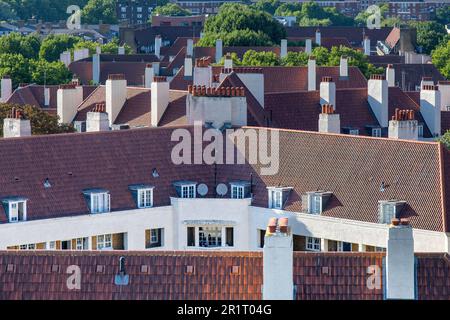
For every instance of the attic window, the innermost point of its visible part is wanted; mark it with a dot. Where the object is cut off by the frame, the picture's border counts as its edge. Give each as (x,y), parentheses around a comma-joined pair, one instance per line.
(47,183)
(315,202)
(185,189)
(389,209)
(240,189)
(99,201)
(278,197)
(16,209)
(143,195)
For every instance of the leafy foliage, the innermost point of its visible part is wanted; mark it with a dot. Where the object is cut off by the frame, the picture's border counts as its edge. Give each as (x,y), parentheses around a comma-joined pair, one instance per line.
(44,72)
(253,58)
(47,10)
(233,16)
(236,38)
(443,15)
(110,47)
(53,45)
(27,46)
(171,9)
(269,6)
(234,58)
(16,66)
(41,122)
(429,34)
(96,10)
(441,58)
(445,139)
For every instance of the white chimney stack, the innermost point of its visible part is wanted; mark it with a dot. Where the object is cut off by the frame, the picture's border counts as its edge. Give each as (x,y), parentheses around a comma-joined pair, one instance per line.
(219,50)
(366,46)
(96,68)
(278,260)
(46,96)
(311,73)
(343,67)
(430,108)
(80,54)
(203,72)
(329,122)
(116,95)
(159,99)
(66,58)
(15,126)
(97,119)
(228,62)
(6,90)
(121,50)
(158,42)
(148,75)
(188,66)
(68,98)
(318,37)
(378,98)
(400,270)
(98,50)
(328,91)
(283,49)
(403,125)
(155,66)
(426,81)
(190,47)
(390,75)
(444,89)
(308,46)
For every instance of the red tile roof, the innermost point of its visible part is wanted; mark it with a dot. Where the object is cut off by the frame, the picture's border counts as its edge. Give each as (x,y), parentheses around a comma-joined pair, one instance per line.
(136,111)
(203,275)
(352,167)
(393,37)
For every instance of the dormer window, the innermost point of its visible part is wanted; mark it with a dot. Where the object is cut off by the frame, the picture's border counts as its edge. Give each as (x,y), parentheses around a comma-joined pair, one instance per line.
(389,209)
(185,189)
(315,202)
(240,189)
(278,197)
(16,209)
(143,195)
(99,201)
(420,130)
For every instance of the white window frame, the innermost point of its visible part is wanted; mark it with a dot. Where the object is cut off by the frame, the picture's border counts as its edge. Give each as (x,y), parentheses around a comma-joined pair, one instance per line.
(145,198)
(52,245)
(376,132)
(13,210)
(79,244)
(237,191)
(105,197)
(353,132)
(105,242)
(188,191)
(154,238)
(314,201)
(420,130)
(275,199)
(313,244)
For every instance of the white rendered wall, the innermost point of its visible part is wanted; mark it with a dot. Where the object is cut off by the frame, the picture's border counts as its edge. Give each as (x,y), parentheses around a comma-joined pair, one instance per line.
(255,83)
(68,101)
(116,95)
(378,100)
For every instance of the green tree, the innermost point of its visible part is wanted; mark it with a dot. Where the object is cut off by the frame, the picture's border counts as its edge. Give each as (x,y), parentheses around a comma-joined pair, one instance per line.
(28,46)
(361,18)
(47,10)
(171,9)
(44,72)
(295,59)
(429,34)
(41,121)
(441,58)
(236,38)
(443,15)
(235,16)
(445,139)
(110,47)
(52,46)
(96,10)
(234,58)
(289,9)
(269,6)
(253,58)
(16,66)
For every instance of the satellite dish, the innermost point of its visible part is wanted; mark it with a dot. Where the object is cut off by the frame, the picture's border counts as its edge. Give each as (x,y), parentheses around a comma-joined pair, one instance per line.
(221,189)
(202,189)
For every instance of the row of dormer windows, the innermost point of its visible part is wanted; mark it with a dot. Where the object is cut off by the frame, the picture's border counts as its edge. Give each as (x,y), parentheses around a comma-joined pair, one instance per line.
(99,200)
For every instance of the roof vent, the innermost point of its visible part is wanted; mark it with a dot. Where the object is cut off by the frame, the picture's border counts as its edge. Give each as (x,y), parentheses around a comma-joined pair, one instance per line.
(382,186)
(155,173)
(121,279)
(47,183)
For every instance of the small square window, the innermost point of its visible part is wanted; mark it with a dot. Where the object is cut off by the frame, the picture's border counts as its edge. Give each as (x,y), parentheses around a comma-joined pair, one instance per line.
(354,132)
(376,132)
(104,242)
(145,198)
(188,191)
(237,192)
(312,244)
(154,238)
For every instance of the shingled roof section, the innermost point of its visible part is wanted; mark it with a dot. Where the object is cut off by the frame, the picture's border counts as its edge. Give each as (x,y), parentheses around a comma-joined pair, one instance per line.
(136,111)
(408,76)
(159,275)
(351,167)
